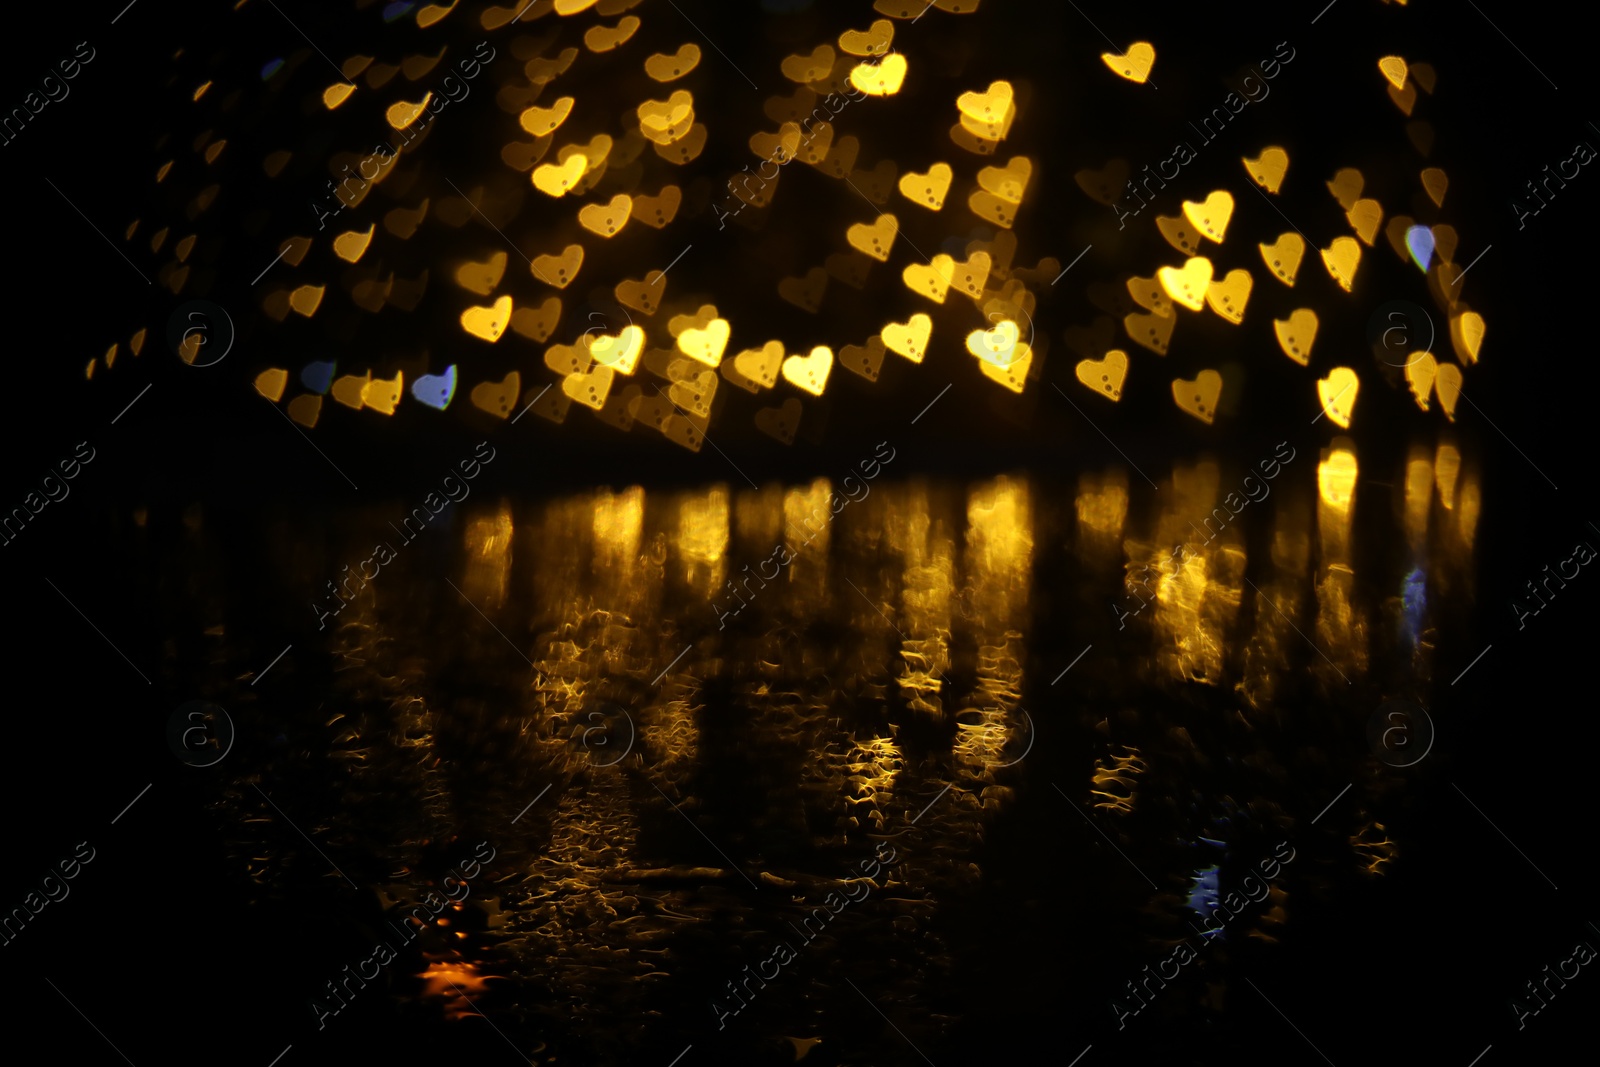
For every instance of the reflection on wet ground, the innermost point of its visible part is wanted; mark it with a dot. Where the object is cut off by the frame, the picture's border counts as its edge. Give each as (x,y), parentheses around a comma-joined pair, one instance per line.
(635,770)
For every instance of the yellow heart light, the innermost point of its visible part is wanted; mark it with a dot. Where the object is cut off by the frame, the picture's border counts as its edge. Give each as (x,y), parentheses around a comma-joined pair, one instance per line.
(1267,169)
(620,352)
(1227,296)
(1134,64)
(482,278)
(875,238)
(777,147)
(1341,258)
(1447,386)
(1187,284)
(1199,397)
(351,390)
(1283,257)
(1012,375)
(1148,293)
(1151,331)
(694,392)
(908,339)
(997,345)
(755,369)
(600,38)
(656,211)
(1365,216)
(880,79)
(487,324)
(538,323)
(589,389)
(1210,216)
(1346,187)
(543,121)
(559,270)
(1394,69)
(1296,333)
(865,360)
(1178,233)
(497,398)
(931,280)
(1105,376)
(666,68)
(1007,182)
(805,69)
(809,372)
(927,189)
(705,344)
(606,219)
(642,296)
(874,41)
(556,179)
(1338,395)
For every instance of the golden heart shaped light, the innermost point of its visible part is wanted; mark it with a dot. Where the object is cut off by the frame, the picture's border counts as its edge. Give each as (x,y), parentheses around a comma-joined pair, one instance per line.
(1395,70)
(1341,258)
(1106,375)
(809,372)
(695,391)
(498,398)
(1178,233)
(1199,397)
(908,339)
(865,360)
(755,369)
(666,68)
(656,211)
(1134,64)
(1296,334)
(487,324)
(804,69)
(989,107)
(543,121)
(1267,169)
(991,208)
(559,270)
(971,275)
(1186,285)
(1152,331)
(1013,375)
(600,38)
(1149,294)
(568,359)
(1434,183)
(1346,187)
(620,351)
(777,147)
(1007,182)
(555,179)
(1211,215)
(998,344)
(880,79)
(873,41)
(481,278)
(927,189)
(1227,296)
(642,296)
(705,344)
(537,324)
(1365,216)
(875,238)
(1283,256)
(931,280)
(589,389)
(1338,395)
(606,219)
